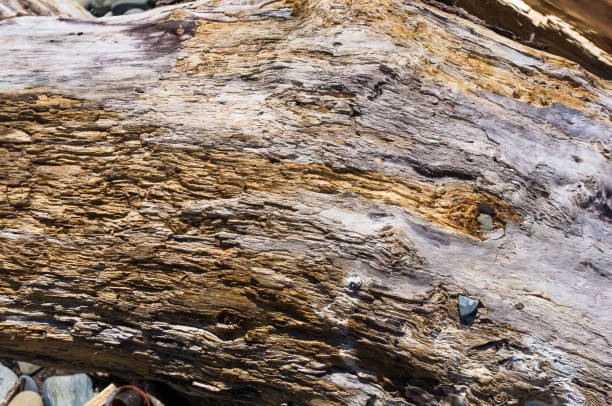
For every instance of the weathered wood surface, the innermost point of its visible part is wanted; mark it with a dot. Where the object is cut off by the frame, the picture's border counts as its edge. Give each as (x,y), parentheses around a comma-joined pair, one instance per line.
(15,8)
(184,193)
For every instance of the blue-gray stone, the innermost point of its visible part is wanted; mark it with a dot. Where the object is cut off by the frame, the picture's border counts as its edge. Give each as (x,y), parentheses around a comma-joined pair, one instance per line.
(71,390)
(7,381)
(467,306)
(28,384)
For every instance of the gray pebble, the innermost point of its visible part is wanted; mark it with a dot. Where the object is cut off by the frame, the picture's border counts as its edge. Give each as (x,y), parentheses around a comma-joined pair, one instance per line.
(354,282)
(121,7)
(467,306)
(71,390)
(485,221)
(28,384)
(100,7)
(133,11)
(7,381)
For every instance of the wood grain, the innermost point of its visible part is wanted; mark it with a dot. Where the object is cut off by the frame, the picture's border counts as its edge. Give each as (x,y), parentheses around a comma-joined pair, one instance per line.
(184,193)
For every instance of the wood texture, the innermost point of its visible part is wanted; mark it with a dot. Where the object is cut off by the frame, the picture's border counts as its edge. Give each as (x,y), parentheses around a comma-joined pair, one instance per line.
(185,192)
(15,8)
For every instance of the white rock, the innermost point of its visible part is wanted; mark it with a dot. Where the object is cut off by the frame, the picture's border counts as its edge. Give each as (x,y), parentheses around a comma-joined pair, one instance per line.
(72,390)
(7,380)
(26,368)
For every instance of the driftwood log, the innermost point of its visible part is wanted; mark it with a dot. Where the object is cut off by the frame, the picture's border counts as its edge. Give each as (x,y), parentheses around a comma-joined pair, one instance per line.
(276,202)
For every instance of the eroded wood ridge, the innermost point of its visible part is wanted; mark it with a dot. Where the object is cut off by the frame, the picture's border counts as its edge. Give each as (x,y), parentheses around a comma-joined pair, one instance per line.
(193,209)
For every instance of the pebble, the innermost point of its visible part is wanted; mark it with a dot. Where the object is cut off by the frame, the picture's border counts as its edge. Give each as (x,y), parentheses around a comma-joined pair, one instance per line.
(100,7)
(26,368)
(123,6)
(71,390)
(28,384)
(133,11)
(484,208)
(467,306)
(7,381)
(354,282)
(486,221)
(27,398)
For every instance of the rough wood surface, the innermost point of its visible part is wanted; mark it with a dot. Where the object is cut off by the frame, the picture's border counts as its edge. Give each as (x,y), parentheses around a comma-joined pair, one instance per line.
(185,194)
(15,8)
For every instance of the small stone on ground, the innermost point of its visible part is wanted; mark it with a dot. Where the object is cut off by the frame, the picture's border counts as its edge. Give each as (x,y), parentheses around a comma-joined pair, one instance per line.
(26,368)
(71,390)
(27,383)
(486,221)
(484,208)
(467,306)
(354,282)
